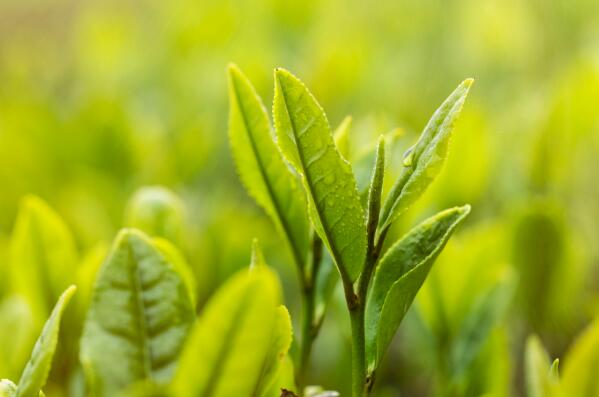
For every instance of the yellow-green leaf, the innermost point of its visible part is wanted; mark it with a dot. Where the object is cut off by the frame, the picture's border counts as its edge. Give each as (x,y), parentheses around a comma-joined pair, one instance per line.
(262,168)
(423,162)
(36,371)
(138,318)
(305,137)
(581,365)
(400,275)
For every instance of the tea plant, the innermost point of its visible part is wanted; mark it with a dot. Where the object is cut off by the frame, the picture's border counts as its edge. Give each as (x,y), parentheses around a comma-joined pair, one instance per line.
(379,286)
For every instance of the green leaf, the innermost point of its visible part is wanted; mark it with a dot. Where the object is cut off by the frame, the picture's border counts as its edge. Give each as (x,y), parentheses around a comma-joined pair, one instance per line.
(539,373)
(36,371)
(341,136)
(285,378)
(43,256)
(399,276)
(305,138)
(157,211)
(139,316)
(423,162)
(478,324)
(579,377)
(239,329)
(375,191)
(262,168)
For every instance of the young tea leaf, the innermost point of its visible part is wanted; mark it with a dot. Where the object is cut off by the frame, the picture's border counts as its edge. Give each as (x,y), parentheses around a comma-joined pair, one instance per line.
(138,318)
(537,369)
(305,138)
(400,275)
(37,369)
(261,166)
(240,328)
(375,191)
(341,136)
(424,160)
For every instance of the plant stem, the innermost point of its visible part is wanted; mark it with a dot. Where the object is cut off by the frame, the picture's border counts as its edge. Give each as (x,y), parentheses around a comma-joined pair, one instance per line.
(308,327)
(357,315)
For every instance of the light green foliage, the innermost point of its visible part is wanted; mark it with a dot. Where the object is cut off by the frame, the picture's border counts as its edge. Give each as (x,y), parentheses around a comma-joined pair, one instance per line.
(158,212)
(400,275)
(36,371)
(581,365)
(261,166)
(7,388)
(478,324)
(375,191)
(175,257)
(241,328)
(423,161)
(16,326)
(342,140)
(305,137)
(43,256)
(139,315)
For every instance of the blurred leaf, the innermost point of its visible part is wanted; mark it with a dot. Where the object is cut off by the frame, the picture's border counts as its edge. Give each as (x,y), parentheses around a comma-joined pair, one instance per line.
(480,320)
(423,161)
(7,388)
(400,274)
(262,168)
(157,211)
(225,355)
(175,257)
(16,326)
(36,372)
(138,318)
(579,377)
(341,137)
(43,256)
(305,138)
(285,378)
(539,373)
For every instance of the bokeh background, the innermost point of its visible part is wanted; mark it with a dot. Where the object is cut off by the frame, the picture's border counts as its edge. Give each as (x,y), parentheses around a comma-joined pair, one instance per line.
(101,98)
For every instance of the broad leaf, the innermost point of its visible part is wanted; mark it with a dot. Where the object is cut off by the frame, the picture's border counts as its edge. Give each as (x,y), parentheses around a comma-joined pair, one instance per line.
(139,315)
(581,365)
(225,355)
(400,274)
(262,168)
(424,160)
(43,256)
(305,138)
(36,371)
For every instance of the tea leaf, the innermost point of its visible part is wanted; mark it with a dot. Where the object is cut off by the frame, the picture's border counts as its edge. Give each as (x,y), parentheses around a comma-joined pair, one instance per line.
(138,318)
(36,372)
(261,166)
(43,256)
(305,138)
(16,326)
(375,191)
(175,257)
(400,275)
(225,354)
(424,160)
(285,378)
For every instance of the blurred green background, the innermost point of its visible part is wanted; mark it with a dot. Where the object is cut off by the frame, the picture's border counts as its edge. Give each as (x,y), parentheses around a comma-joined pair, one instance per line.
(100,98)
